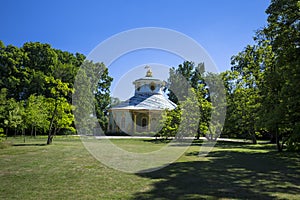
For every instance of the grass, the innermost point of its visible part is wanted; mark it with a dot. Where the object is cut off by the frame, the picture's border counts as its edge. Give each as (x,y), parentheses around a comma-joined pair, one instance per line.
(65,170)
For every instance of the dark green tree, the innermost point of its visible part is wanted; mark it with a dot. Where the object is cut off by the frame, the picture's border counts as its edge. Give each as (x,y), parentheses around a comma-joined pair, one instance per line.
(93,95)
(270,71)
(59,107)
(170,122)
(281,96)
(12,72)
(186,82)
(182,78)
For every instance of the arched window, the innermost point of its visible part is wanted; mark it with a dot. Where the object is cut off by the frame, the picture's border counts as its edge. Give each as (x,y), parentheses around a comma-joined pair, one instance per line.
(144,122)
(152,86)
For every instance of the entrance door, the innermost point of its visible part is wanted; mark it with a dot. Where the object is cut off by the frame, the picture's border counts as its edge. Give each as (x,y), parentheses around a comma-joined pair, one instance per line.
(144,122)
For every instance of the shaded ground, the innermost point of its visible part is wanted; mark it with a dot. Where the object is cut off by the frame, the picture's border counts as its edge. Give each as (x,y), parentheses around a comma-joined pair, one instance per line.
(65,170)
(230,172)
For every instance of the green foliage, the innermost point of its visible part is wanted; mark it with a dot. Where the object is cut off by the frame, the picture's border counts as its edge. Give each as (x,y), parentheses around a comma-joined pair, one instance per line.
(182,78)
(293,140)
(84,102)
(37,83)
(263,86)
(11,112)
(280,91)
(170,122)
(243,94)
(37,114)
(2,137)
(3,142)
(214,109)
(102,95)
(92,96)
(200,96)
(190,115)
(3,104)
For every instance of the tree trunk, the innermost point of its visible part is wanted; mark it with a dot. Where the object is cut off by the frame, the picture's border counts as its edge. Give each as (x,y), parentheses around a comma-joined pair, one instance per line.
(279,146)
(49,140)
(273,139)
(35,132)
(198,134)
(253,138)
(6,132)
(31,132)
(50,135)
(209,136)
(254,141)
(23,133)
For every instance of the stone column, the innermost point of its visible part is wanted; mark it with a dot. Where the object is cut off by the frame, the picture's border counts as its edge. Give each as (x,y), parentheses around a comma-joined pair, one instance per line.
(134,122)
(113,123)
(149,121)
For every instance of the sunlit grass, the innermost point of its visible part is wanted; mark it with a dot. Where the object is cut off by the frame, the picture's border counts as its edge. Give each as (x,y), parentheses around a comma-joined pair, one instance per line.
(65,170)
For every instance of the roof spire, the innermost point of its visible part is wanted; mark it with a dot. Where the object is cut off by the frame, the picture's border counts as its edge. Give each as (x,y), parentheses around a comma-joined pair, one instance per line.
(149,71)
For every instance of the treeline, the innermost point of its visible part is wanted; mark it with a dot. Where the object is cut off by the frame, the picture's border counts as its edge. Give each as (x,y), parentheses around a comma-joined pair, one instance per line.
(37,83)
(263,84)
(261,91)
(262,87)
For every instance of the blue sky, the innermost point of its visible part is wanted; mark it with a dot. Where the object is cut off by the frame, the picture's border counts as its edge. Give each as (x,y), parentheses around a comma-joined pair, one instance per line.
(222,27)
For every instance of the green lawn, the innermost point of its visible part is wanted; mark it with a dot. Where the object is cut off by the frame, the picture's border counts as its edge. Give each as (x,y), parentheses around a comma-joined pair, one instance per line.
(65,170)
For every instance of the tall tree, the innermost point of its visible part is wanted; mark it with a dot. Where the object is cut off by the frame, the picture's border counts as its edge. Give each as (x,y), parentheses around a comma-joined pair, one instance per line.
(182,78)
(57,103)
(92,96)
(169,123)
(273,64)
(247,66)
(38,75)
(3,109)
(14,115)
(12,72)
(280,94)
(102,96)
(36,116)
(186,84)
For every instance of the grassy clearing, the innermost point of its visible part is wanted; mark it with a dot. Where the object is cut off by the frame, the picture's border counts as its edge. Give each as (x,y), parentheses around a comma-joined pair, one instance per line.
(65,170)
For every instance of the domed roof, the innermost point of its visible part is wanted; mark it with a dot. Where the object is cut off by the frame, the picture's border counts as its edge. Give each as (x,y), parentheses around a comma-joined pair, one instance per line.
(148,95)
(146,102)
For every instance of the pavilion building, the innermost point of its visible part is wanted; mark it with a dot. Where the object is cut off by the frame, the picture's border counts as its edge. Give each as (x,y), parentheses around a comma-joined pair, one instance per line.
(143,111)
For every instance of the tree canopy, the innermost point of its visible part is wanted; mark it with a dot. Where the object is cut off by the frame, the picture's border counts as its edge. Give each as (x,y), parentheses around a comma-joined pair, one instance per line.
(262,87)
(263,84)
(37,83)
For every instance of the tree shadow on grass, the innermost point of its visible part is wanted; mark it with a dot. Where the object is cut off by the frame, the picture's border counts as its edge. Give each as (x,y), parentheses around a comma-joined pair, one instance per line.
(250,146)
(189,142)
(229,175)
(157,141)
(28,144)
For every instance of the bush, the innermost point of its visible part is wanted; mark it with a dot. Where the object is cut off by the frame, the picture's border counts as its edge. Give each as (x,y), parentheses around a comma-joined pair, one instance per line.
(293,143)
(2,137)
(3,142)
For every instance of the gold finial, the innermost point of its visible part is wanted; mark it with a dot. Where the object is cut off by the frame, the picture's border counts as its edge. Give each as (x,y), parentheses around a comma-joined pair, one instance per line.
(149,71)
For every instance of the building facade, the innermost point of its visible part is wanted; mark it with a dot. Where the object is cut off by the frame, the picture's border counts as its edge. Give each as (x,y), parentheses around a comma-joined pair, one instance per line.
(143,111)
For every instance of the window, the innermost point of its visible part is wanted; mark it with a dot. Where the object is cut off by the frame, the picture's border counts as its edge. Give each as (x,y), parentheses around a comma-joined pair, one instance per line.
(152,86)
(144,121)
(138,86)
